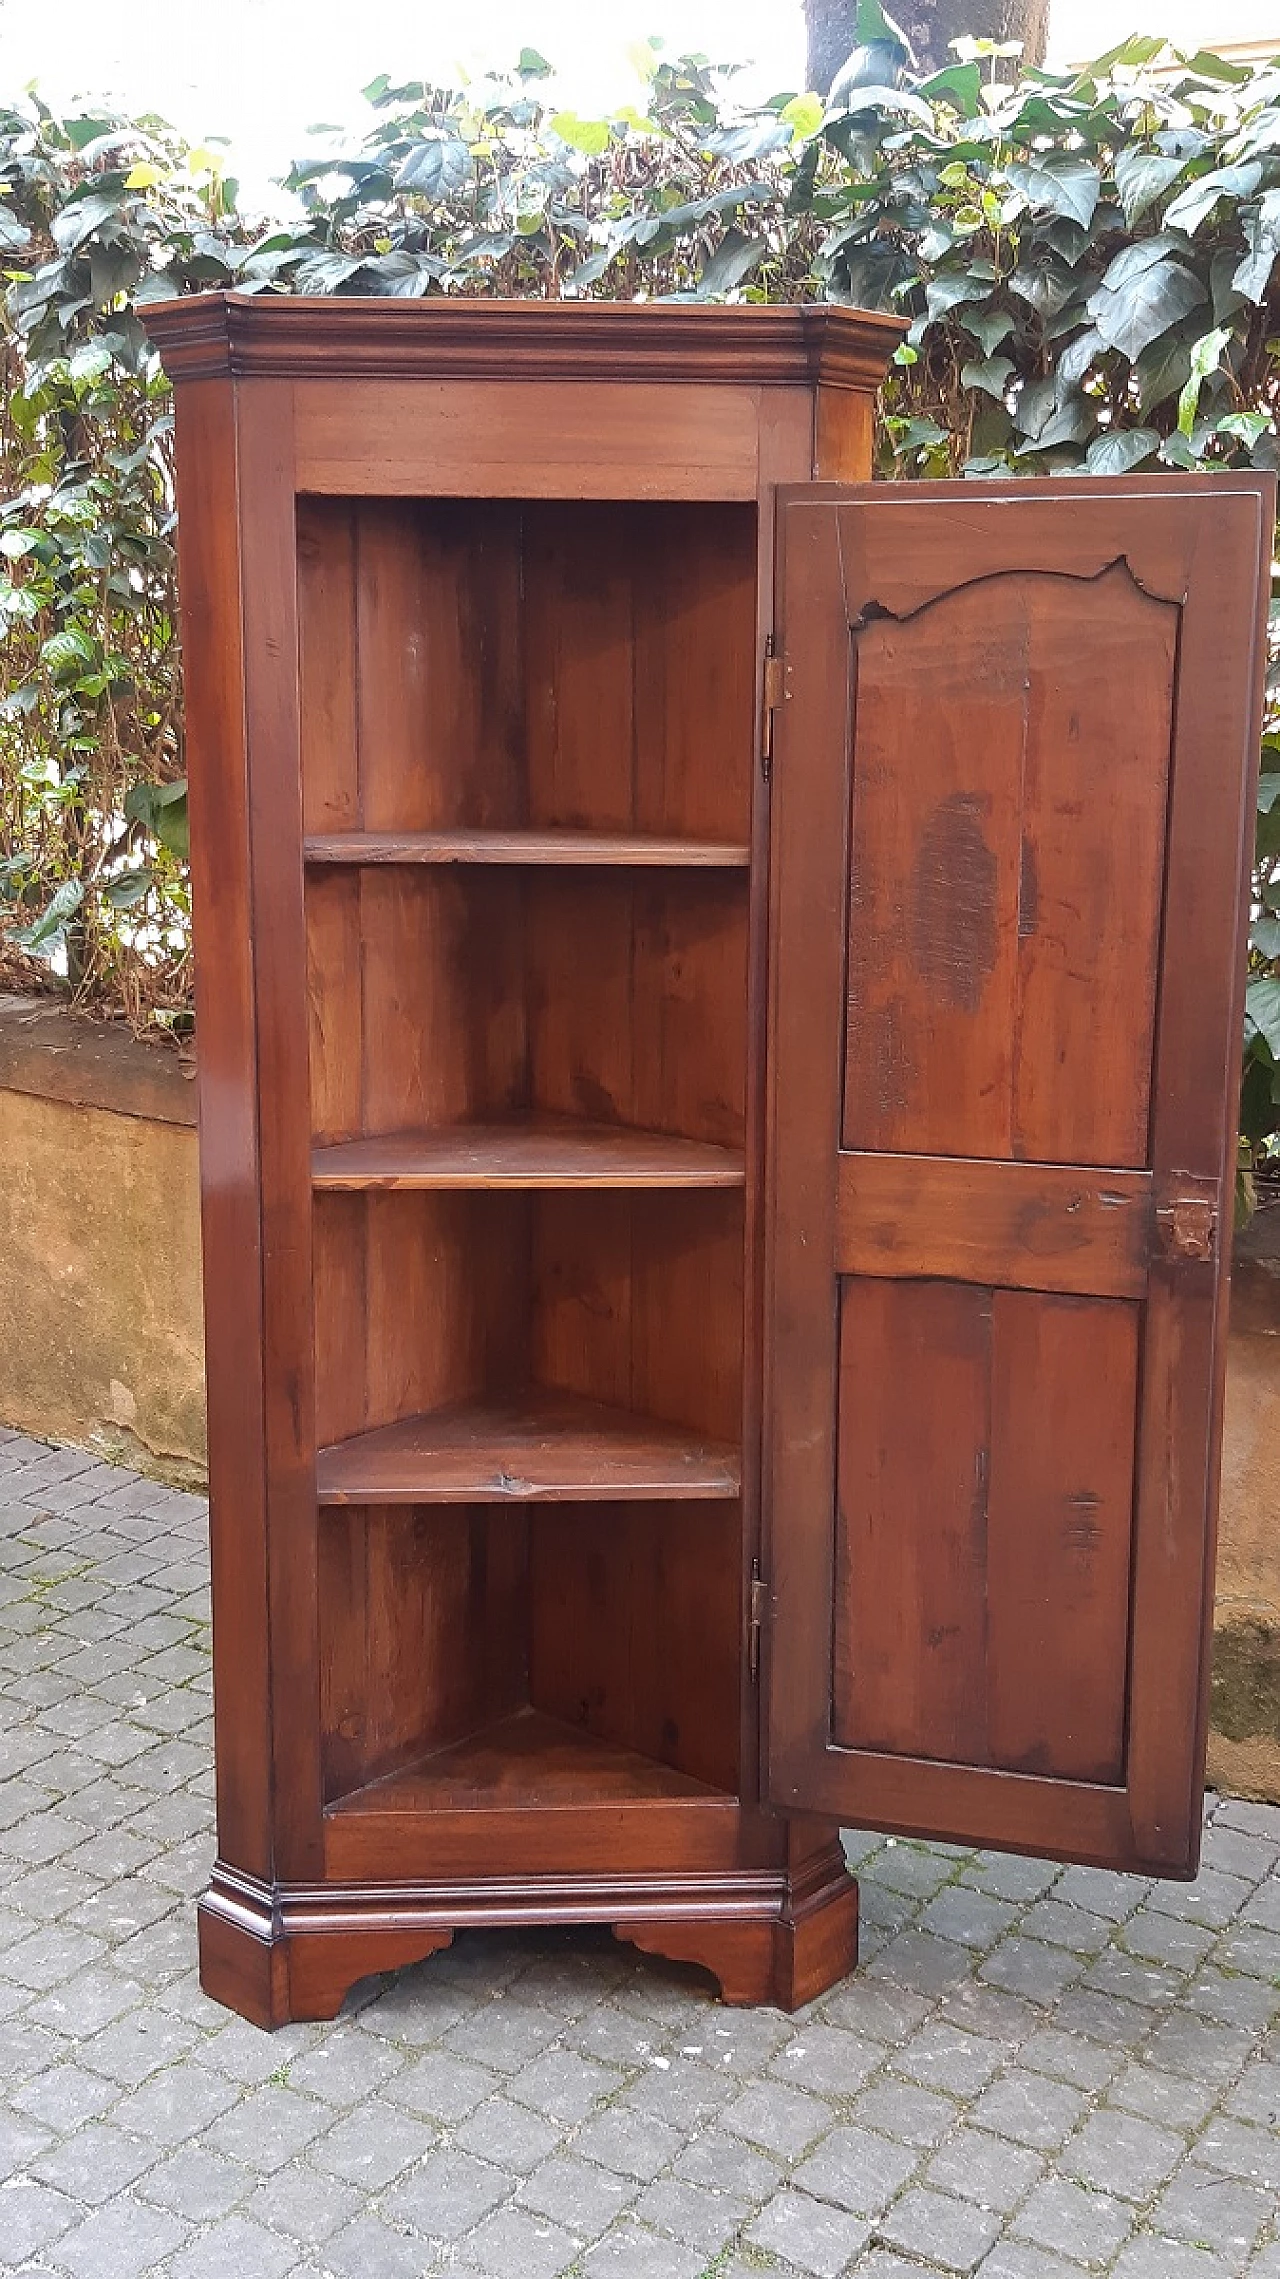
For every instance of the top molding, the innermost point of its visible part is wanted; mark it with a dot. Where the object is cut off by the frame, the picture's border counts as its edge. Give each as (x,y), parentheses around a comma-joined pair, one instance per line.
(209,335)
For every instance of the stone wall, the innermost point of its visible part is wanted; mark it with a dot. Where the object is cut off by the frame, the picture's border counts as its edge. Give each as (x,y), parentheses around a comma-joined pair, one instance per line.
(101,1339)
(1244,1746)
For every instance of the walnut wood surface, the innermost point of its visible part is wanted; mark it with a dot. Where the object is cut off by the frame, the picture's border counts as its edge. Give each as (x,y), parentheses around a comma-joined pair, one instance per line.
(549,1444)
(540,1152)
(995,1375)
(589,848)
(526,1759)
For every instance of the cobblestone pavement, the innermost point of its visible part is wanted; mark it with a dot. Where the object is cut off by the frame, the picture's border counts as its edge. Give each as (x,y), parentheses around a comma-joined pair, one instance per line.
(1038,2072)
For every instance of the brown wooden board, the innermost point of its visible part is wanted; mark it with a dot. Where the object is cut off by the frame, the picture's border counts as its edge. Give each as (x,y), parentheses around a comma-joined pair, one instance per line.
(1012,803)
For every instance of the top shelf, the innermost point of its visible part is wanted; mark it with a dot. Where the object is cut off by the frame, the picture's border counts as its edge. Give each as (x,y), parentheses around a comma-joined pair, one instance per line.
(629,848)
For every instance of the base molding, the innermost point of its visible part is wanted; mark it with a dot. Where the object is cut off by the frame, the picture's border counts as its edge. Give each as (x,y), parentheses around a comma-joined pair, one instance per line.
(287,1953)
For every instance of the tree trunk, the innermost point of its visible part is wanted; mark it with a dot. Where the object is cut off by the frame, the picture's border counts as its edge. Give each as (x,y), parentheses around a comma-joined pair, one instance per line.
(930,25)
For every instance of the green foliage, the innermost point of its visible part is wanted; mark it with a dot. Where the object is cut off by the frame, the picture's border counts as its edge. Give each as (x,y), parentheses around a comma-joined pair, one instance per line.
(1088,263)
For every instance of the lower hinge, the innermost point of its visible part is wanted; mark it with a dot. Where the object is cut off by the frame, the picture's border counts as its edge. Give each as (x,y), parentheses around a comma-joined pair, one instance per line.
(775,691)
(759,1600)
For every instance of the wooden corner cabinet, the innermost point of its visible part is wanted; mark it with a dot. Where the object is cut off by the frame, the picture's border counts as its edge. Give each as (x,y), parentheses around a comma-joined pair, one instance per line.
(719,992)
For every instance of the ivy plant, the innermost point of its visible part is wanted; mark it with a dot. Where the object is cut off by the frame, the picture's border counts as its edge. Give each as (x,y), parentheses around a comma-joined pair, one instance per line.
(1087,261)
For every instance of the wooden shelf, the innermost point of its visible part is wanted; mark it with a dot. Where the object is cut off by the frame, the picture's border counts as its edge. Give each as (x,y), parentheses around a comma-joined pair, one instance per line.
(524,1761)
(548,1446)
(543,1151)
(609,848)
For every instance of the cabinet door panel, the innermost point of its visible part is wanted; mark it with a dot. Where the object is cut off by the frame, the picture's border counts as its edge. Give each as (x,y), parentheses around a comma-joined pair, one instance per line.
(1012,803)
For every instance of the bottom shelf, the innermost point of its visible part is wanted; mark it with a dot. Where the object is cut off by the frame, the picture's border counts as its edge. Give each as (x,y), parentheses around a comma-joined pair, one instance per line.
(522,1762)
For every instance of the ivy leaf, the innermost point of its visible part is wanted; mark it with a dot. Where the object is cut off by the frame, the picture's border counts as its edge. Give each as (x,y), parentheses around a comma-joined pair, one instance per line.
(1204,359)
(992,376)
(1262,1010)
(1120,450)
(128,887)
(959,84)
(1060,184)
(1262,236)
(988,327)
(1072,422)
(1142,176)
(1161,370)
(46,933)
(590,136)
(437,167)
(1268,792)
(734,258)
(1195,204)
(1264,936)
(1140,299)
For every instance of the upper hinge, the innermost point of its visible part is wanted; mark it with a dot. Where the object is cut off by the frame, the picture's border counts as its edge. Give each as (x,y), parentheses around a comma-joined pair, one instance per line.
(759,1601)
(776,689)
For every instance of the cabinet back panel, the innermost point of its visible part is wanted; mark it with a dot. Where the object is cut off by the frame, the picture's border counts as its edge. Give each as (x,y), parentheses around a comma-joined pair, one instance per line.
(1005,902)
(982,1567)
(494,664)
(637,1300)
(438,996)
(423,1630)
(635,1629)
(420,1300)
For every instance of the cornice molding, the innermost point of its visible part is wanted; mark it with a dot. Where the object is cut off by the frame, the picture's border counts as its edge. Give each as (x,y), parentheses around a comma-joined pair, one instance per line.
(210,335)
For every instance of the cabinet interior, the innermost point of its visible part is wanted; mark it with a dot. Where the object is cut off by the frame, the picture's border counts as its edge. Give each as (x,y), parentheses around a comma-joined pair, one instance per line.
(527,775)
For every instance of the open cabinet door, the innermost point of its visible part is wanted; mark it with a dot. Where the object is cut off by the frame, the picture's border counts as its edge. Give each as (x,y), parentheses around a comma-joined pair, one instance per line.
(1013,804)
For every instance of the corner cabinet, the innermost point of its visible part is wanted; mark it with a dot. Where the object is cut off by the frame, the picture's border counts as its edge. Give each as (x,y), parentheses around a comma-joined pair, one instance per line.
(719,992)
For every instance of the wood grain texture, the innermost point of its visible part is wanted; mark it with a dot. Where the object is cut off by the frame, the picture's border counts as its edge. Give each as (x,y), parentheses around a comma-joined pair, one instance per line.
(1025,1409)
(797,345)
(526,1759)
(1006,892)
(548,1445)
(1025,1225)
(982,1569)
(589,849)
(542,1151)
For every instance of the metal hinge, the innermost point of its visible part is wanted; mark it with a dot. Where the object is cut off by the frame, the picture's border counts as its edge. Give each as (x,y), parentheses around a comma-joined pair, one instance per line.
(759,1600)
(775,692)
(1188,1227)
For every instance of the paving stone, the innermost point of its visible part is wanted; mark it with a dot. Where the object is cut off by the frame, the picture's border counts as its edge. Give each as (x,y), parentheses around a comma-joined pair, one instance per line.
(1032,2108)
(825,2058)
(858,2170)
(509,2135)
(1197,2047)
(1169,2097)
(236,2249)
(564,2085)
(1240,2149)
(809,2234)
(121,2241)
(443,2087)
(882,2013)
(1213,2211)
(1016,2259)
(632,2144)
(901,2110)
(370,2156)
(95,2163)
(1062,1925)
(972,1918)
(1253,2003)
(1213,1899)
(1069,2057)
(777,2117)
(1165,2259)
(698,2215)
(1122,2153)
(1030,1968)
(201,2185)
(955,2233)
(585,2198)
(1256,2095)
(1101,2018)
(445,2195)
(725,2164)
(34,2216)
(923,1964)
(511,2241)
(984,2168)
(505,2033)
(942,2057)
(1087,2226)
(630,2253)
(345,2068)
(369,2249)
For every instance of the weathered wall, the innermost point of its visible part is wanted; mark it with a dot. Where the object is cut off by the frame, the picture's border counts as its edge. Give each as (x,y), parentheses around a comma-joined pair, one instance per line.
(1244,1746)
(100,1315)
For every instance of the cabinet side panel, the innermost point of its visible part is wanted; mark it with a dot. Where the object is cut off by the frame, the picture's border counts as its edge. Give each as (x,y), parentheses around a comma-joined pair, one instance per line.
(229,1163)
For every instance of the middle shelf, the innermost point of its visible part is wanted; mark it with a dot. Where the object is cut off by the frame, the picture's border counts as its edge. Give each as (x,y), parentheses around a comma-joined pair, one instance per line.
(543,1446)
(536,1151)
